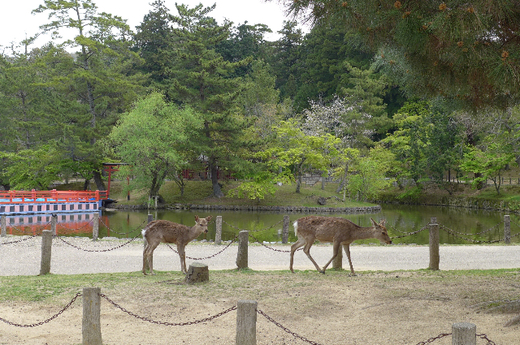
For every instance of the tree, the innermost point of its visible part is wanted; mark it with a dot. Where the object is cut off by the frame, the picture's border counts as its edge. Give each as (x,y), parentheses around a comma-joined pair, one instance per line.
(99,80)
(461,50)
(487,164)
(154,42)
(153,138)
(200,78)
(301,152)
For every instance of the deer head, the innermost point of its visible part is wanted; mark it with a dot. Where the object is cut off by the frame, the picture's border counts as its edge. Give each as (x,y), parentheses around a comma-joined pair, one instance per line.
(380,231)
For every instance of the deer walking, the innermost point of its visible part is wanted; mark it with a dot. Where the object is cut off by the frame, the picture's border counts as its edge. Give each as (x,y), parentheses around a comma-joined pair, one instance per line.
(339,231)
(168,232)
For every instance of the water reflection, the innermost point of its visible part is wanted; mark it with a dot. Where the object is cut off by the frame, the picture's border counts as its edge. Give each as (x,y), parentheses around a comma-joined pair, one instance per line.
(476,225)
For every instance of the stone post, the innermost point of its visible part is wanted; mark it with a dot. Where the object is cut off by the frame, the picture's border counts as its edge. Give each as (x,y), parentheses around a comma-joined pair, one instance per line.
(434,245)
(218,230)
(95,227)
(54,219)
(3,221)
(337,263)
(91,327)
(246,322)
(464,334)
(243,242)
(45,265)
(285,229)
(507,229)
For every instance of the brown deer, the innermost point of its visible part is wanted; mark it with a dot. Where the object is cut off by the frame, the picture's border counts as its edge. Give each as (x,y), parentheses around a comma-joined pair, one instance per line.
(168,232)
(340,231)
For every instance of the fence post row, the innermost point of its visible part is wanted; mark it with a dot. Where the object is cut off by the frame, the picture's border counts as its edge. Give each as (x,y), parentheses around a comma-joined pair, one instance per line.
(243,242)
(246,322)
(45,265)
(434,245)
(507,229)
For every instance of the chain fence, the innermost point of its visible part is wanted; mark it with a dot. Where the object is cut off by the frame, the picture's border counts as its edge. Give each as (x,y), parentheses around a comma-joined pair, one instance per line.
(203,320)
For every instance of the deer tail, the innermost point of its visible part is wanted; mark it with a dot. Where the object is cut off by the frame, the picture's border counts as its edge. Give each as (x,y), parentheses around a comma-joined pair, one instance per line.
(295,224)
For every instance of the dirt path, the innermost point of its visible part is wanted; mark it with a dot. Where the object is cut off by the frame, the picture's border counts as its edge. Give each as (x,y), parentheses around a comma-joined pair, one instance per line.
(389,307)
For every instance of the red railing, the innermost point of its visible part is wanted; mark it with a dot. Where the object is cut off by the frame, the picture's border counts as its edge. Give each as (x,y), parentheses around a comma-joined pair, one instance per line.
(50,196)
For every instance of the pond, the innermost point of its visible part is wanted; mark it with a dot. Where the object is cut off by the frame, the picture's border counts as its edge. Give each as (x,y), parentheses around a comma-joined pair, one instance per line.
(458,225)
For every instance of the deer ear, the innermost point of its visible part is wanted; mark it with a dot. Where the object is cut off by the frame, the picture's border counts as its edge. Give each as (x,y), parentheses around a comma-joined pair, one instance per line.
(383,222)
(196,218)
(208,218)
(373,221)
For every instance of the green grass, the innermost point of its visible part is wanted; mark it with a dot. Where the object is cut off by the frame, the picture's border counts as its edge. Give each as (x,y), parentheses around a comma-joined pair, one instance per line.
(199,192)
(54,288)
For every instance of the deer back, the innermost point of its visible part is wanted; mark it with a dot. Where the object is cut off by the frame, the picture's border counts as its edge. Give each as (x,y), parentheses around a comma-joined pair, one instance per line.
(326,229)
(166,231)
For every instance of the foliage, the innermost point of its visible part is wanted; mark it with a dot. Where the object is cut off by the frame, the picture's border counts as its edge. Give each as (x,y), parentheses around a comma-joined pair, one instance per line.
(153,140)
(300,152)
(488,164)
(436,48)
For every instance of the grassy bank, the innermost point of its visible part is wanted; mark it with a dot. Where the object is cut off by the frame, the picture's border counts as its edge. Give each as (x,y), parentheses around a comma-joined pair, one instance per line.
(198,192)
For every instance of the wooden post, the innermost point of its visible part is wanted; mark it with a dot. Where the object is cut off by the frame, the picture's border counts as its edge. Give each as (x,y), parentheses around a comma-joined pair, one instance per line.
(464,334)
(91,328)
(285,229)
(54,219)
(434,245)
(3,221)
(246,322)
(507,229)
(95,227)
(218,230)
(337,263)
(243,242)
(45,265)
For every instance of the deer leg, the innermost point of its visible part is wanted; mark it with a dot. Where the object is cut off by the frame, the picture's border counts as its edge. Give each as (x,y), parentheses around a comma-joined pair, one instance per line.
(306,250)
(182,256)
(294,247)
(336,248)
(346,247)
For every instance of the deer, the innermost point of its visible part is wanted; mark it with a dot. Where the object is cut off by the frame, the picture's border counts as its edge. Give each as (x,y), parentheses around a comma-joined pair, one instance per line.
(339,231)
(164,231)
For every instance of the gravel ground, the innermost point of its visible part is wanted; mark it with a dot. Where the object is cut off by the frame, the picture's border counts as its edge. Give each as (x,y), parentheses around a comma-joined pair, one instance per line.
(82,255)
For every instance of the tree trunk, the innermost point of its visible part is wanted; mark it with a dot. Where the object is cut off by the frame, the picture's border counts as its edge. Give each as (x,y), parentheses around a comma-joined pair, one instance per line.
(217,191)
(100,184)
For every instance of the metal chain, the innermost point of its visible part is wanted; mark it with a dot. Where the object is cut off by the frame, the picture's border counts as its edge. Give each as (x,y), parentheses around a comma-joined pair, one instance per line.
(465,238)
(442,335)
(431,340)
(271,248)
(408,233)
(22,240)
(285,328)
(207,257)
(96,250)
(478,233)
(45,321)
(485,337)
(210,318)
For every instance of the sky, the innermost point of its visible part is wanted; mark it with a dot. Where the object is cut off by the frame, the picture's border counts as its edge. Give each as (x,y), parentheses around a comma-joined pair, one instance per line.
(17,22)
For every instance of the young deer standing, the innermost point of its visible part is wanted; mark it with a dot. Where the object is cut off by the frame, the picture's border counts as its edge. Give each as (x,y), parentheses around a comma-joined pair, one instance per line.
(168,232)
(340,231)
